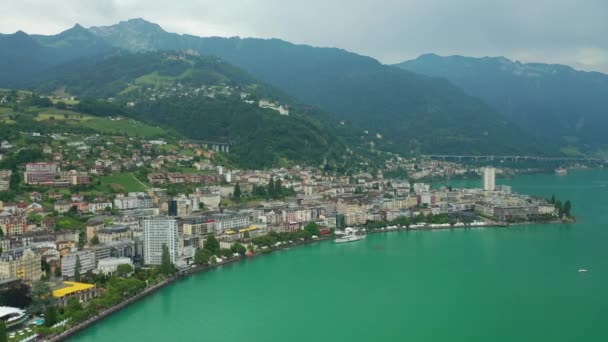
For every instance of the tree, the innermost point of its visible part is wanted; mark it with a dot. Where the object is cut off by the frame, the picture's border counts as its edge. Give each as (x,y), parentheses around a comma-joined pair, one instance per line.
(211,245)
(271,187)
(16,296)
(560,207)
(51,316)
(166,266)
(246,235)
(312,229)
(552,200)
(72,211)
(237,191)
(3,331)
(278,188)
(95,240)
(201,256)
(40,293)
(238,248)
(260,190)
(14,181)
(567,208)
(124,270)
(77,268)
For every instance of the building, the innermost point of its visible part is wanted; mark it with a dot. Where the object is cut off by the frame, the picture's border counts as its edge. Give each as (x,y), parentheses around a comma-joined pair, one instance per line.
(121,249)
(113,233)
(23,263)
(133,202)
(68,263)
(40,173)
(83,292)
(198,226)
(12,224)
(94,225)
(78,178)
(109,266)
(489,179)
(172,208)
(98,207)
(158,232)
(5,179)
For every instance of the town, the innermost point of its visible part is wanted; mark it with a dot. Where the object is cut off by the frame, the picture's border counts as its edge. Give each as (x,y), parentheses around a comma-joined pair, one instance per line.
(89,222)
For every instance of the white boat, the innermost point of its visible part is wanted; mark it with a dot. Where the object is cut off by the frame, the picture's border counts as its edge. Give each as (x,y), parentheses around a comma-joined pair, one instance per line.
(349,235)
(582,270)
(350,238)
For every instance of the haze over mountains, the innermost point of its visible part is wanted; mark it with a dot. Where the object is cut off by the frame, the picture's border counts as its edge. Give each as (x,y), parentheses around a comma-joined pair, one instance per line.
(414,112)
(554,103)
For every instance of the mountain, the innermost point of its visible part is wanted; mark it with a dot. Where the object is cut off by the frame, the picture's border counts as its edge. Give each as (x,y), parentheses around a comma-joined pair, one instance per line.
(555,103)
(412,112)
(22,56)
(203,98)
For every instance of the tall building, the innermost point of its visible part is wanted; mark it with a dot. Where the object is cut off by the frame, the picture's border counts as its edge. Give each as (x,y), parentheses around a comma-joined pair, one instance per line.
(489,179)
(22,263)
(172,208)
(158,232)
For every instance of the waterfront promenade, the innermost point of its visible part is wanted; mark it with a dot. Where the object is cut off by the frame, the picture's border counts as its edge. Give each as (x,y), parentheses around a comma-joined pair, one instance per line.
(105,313)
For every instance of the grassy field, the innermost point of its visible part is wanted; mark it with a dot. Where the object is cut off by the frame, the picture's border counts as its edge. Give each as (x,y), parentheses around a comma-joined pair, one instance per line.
(5,113)
(63,115)
(115,126)
(121,182)
(67,102)
(125,126)
(67,222)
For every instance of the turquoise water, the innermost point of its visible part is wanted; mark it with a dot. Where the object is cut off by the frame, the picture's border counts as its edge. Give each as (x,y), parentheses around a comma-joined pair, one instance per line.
(494,284)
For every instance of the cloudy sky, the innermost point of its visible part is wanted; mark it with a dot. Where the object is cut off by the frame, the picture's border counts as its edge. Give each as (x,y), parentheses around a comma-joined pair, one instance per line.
(555,31)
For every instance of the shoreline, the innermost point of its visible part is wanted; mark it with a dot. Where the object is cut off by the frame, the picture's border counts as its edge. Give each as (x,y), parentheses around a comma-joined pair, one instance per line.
(202,268)
(151,290)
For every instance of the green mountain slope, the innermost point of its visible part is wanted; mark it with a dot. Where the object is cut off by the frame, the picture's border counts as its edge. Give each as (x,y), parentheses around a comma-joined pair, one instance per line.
(555,103)
(203,98)
(413,113)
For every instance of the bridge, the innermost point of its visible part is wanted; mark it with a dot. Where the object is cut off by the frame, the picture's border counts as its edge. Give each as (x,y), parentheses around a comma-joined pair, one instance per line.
(476,158)
(215,146)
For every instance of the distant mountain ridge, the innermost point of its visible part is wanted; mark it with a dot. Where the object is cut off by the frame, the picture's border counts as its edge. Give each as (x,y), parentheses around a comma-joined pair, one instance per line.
(413,113)
(555,103)
(22,55)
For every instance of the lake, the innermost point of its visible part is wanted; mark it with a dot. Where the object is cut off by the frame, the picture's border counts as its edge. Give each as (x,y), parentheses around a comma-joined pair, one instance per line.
(483,284)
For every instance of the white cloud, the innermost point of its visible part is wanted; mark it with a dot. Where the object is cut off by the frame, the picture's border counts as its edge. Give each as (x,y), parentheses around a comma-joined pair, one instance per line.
(391,30)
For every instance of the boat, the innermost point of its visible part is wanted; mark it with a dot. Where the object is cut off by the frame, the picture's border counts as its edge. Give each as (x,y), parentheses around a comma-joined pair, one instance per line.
(13,317)
(582,270)
(349,235)
(350,238)
(561,171)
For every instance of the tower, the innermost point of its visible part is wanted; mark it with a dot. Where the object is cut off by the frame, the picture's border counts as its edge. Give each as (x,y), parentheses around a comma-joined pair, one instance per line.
(158,232)
(489,179)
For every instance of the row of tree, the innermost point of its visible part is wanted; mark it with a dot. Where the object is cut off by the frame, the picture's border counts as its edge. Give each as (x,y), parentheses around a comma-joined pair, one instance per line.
(564,209)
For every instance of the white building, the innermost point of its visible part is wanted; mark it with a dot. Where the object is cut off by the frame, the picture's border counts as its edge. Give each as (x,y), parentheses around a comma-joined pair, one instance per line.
(489,179)
(158,232)
(68,263)
(133,201)
(108,266)
(96,207)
